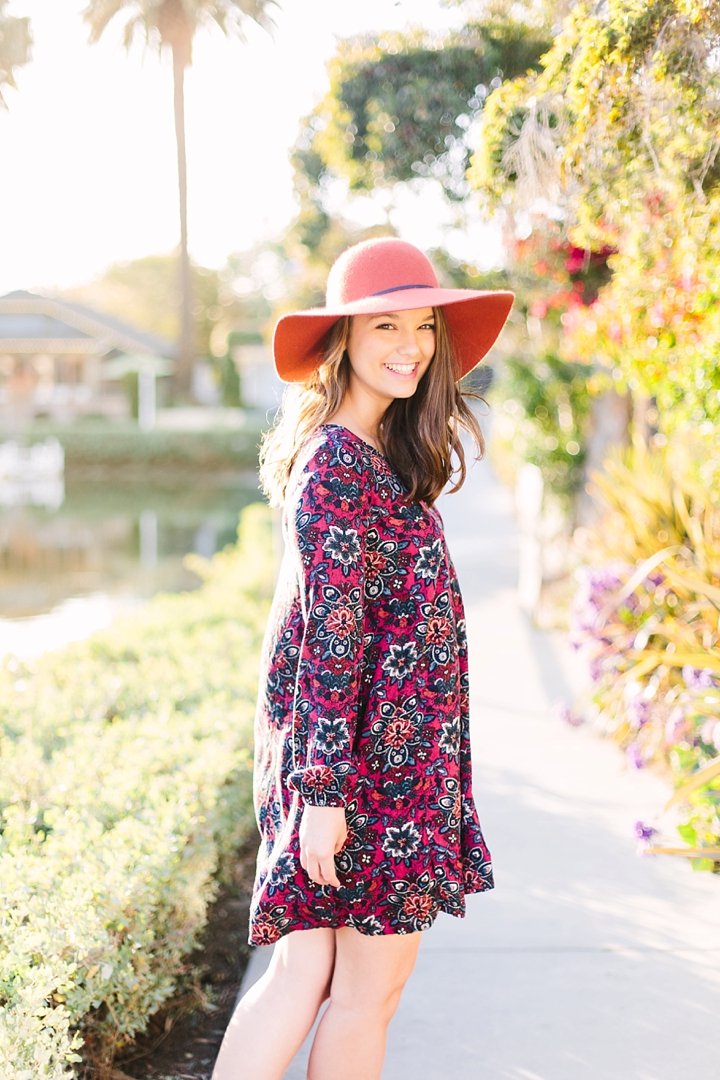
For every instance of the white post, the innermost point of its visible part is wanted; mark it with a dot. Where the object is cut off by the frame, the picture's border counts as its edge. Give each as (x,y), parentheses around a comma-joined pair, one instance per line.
(148,539)
(528,499)
(147,400)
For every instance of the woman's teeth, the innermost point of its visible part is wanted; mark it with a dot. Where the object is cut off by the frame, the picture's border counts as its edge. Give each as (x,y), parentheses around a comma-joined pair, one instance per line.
(402,369)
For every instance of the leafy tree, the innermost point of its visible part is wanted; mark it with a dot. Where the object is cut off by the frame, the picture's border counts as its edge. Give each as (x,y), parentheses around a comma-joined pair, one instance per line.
(173,23)
(625,101)
(620,129)
(15,45)
(399,106)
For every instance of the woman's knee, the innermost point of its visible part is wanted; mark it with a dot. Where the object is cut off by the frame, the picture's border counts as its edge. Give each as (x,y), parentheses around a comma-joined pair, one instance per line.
(375,991)
(371,1005)
(303,962)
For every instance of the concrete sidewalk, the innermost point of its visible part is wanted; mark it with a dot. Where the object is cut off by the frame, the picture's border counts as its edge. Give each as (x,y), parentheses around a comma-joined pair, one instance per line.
(586,962)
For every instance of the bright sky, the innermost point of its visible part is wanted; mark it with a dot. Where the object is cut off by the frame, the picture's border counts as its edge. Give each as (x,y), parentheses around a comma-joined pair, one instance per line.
(87,148)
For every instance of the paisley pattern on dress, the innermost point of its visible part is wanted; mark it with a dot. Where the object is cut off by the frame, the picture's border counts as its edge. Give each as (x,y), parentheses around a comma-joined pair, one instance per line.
(364,704)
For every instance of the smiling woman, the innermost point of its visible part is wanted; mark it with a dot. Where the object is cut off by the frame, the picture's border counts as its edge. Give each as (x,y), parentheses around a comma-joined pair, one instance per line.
(363,776)
(388,375)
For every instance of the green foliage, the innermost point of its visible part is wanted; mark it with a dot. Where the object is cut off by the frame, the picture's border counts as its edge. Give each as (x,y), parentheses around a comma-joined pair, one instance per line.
(126,784)
(15,45)
(117,446)
(656,326)
(131,382)
(543,397)
(399,106)
(620,128)
(229,381)
(542,418)
(626,101)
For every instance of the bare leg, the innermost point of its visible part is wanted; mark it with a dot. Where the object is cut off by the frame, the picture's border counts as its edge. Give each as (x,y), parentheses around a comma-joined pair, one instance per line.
(368,979)
(271,1021)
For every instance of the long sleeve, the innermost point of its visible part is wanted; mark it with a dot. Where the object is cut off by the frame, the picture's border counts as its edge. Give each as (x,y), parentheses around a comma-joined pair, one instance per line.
(477,873)
(327,528)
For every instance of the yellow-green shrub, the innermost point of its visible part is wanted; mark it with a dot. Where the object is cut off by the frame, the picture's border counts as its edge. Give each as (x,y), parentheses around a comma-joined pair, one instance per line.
(646,616)
(124,782)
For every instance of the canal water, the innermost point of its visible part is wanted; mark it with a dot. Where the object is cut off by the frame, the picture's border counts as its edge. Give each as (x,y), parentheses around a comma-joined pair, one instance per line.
(74,556)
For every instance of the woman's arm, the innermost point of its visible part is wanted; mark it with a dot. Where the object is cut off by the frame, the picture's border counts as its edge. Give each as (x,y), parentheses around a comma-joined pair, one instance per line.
(328,528)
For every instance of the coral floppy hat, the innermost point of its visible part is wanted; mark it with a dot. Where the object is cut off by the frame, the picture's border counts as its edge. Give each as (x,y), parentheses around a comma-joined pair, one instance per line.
(385,275)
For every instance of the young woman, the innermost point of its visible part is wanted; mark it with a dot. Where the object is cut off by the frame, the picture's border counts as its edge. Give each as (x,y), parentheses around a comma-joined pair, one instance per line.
(362,773)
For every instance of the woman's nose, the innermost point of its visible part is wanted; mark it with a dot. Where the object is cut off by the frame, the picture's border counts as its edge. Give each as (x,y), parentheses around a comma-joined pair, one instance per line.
(409,346)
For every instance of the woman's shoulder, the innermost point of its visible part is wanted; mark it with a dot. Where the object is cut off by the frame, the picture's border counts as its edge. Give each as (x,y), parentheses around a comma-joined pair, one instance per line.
(337,467)
(333,450)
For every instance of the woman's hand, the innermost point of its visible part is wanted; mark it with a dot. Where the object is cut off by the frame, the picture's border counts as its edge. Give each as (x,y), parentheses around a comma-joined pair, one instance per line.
(323,831)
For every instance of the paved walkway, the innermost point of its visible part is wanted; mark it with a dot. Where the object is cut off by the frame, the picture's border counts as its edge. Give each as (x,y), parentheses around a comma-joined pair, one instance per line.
(586,962)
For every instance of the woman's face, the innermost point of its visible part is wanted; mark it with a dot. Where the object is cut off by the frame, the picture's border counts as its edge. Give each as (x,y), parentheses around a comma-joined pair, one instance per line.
(389,354)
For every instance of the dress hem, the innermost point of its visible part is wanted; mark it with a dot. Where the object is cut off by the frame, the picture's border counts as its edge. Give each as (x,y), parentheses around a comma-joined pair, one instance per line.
(337,922)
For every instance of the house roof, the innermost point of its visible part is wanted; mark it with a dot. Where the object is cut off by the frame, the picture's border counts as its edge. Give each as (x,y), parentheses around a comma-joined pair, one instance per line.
(31,323)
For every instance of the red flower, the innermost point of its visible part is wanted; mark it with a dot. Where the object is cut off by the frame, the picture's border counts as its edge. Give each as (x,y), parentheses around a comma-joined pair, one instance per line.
(319,777)
(417,906)
(438,630)
(264,930)
(398,732)
(341,621)
(375,563)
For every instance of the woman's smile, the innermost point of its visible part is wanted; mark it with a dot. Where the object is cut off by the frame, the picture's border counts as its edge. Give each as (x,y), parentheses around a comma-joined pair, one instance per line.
(404,370)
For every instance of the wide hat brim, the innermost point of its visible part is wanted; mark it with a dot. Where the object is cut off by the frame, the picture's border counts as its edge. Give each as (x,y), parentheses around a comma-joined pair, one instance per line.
(475,318)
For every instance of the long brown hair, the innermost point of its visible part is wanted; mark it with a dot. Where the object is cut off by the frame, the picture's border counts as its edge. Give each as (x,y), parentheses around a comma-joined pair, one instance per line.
(419,435)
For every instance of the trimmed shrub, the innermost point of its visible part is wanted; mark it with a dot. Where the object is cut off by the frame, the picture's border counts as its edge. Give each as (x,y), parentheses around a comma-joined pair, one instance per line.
(125,787)
(119,446)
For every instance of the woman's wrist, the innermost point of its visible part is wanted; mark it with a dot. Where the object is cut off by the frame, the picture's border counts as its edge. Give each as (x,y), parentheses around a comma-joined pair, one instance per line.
(323,831)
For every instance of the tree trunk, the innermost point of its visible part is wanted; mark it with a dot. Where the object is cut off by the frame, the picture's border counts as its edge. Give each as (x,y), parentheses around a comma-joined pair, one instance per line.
(186,342)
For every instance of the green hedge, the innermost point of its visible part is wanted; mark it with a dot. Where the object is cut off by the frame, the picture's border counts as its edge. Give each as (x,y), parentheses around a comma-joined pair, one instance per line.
(125,782)
(122,446)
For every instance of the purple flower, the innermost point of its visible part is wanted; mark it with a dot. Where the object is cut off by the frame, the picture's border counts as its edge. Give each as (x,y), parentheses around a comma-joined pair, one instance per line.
(633,756)
(560,710)
(644,831)
(637,713)
(596,586)
(595,668)
(674,722)
(697,678)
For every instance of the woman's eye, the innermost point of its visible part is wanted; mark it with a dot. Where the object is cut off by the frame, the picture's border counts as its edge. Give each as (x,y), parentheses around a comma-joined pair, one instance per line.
(391,326)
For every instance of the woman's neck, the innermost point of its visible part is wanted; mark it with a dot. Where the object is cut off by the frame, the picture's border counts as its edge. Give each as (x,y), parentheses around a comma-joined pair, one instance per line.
(361,414)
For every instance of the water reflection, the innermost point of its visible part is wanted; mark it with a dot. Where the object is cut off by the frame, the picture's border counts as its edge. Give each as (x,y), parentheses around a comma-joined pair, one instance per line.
(114,540)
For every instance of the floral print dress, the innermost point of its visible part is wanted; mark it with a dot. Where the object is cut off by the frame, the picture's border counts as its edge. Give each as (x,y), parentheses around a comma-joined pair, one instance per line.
(364,704)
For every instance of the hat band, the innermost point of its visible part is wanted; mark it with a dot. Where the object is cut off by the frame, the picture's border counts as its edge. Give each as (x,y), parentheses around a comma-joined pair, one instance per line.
(401,288)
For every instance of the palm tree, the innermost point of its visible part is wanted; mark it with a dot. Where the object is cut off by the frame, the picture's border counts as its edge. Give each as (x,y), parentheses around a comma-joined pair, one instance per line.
(173,23)
(15,44)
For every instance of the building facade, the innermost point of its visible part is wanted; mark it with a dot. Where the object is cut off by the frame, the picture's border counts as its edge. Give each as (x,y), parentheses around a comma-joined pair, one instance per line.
(63,360)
